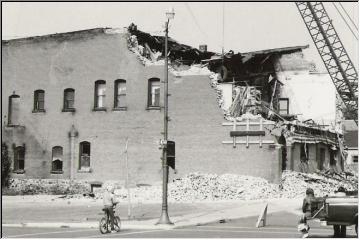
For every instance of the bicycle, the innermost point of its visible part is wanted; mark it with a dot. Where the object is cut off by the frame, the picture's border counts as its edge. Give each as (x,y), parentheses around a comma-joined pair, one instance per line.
(104,223)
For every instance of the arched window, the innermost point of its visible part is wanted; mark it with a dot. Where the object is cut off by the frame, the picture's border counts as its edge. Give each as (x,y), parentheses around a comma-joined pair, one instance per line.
(154,93)
(57,162)
(14,110)
(120,94)
(39,101)
(84,161)
(19,158)
(100,90)
(69,99)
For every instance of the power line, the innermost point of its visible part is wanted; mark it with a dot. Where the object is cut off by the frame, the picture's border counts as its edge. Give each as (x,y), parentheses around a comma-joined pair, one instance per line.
(223,26)
(345,21)
(348,16)
(195,20)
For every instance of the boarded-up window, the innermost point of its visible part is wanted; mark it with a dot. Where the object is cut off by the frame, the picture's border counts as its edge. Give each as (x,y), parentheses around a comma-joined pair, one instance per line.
(120,94)
(100,93)
(84,155)
(19,158)
(154,92)
(14,110)
(39,100)
(69,99)
(57,163)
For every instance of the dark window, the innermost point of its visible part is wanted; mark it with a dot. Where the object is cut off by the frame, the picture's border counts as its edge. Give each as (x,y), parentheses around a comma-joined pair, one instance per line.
(154,92)
(19,158)
(100,89)
(332,158)
(14,110)
(39,100)
(84,155)
(56,162)
(283,106)
(355,159)
(322,159)
(304,152)
(120,94)
(69,99)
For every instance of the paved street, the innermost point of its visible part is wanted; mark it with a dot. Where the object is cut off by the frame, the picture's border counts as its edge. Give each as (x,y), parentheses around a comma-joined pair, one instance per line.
(279,225)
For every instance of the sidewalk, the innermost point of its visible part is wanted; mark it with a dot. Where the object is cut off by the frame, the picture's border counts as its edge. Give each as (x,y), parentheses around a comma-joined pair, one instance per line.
(85,213)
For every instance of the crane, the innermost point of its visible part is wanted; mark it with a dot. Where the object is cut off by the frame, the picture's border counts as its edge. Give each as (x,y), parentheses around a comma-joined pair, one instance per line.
(333,54)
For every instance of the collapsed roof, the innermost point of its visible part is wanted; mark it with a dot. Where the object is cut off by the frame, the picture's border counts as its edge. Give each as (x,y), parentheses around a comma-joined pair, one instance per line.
(241,66)
(178,52)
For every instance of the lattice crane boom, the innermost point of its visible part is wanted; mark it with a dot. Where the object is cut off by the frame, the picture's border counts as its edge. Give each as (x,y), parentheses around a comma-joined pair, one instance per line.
(332,52)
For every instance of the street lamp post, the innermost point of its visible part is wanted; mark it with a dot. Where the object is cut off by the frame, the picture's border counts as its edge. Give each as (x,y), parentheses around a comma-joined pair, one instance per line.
(164,218)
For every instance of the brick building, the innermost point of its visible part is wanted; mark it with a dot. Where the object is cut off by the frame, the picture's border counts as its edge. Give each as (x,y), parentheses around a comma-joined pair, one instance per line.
(70,101)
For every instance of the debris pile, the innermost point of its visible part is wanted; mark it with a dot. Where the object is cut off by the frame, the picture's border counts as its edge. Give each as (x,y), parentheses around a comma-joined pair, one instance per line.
(294,184)
(247,100)
(214,82)
(149,48)
(196,69)
(199,187)
(48,186)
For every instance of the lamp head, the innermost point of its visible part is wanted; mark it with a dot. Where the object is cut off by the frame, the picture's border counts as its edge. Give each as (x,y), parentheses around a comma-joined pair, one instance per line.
(170,13)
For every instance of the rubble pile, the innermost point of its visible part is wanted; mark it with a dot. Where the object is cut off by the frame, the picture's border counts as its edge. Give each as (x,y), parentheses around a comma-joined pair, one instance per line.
(214,78)
(247,100)
(294,184)
(141,194)
(195,69)
(48,186)
(198,187)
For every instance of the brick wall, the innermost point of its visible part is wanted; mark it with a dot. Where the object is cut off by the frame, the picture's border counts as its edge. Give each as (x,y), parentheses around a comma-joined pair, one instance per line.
(56,64)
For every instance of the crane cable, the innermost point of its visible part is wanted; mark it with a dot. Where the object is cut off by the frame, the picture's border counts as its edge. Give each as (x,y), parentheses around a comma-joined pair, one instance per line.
(345,21)
(348,16)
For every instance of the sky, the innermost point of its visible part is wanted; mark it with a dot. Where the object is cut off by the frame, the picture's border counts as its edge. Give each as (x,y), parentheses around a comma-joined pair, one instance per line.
(248,26)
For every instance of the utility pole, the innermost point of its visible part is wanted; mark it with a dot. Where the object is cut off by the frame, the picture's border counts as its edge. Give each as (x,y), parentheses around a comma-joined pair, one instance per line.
(164,218)
(127,178)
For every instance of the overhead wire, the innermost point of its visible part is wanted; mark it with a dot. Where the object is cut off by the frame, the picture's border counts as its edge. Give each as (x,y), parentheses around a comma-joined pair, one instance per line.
(355,35)
(223,26)
(195,20)
(352,21)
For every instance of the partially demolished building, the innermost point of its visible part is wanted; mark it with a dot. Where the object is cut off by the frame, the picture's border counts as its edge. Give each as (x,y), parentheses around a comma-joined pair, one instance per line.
(70,101)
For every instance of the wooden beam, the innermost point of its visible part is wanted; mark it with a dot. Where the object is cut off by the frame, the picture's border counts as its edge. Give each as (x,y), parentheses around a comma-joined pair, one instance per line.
(250,123)
(250,142)
(246,133)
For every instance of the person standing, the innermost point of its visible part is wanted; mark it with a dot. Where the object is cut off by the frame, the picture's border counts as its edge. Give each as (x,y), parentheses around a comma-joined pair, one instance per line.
(340,230)
(306,208)
(109,202)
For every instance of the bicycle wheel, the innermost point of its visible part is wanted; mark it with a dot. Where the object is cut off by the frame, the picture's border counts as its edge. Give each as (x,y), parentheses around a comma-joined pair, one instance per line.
(117,224)
(103,225)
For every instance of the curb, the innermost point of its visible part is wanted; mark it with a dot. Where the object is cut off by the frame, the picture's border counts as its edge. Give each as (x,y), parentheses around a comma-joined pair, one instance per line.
(149,225)
(83,225)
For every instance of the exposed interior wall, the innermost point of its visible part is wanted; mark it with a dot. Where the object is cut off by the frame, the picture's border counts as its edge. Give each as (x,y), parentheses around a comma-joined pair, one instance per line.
(311,96)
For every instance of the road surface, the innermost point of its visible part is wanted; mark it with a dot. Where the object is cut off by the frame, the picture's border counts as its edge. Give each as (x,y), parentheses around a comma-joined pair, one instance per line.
(279,225)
